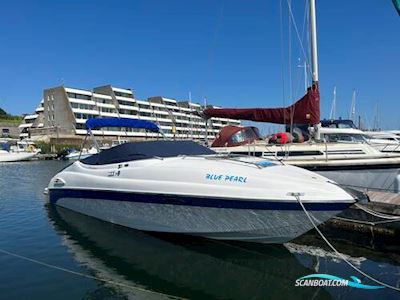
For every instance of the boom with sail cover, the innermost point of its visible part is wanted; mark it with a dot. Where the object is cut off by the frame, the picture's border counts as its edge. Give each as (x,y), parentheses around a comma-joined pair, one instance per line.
(304,111)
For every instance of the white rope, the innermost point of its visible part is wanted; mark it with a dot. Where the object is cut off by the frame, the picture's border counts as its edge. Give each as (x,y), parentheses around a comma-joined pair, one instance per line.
(83,275)
(377,214)
(296,195)
(365,222)
(370,189)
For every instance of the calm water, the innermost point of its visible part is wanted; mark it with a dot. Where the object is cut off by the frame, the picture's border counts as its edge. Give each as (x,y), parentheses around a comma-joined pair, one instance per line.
(162,266)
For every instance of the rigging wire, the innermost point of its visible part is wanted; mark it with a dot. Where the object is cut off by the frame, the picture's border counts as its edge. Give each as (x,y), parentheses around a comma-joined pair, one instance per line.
(282,57)
(290,53)
(305,18)
(211,49)
(293,21)
(297,33)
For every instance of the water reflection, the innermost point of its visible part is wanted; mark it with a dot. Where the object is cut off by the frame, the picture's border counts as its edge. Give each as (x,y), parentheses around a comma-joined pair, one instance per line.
(187,267)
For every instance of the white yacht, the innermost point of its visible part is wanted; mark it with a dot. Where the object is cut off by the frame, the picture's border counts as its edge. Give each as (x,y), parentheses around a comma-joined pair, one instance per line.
(383,141)
(182,187)
(343,155)
(11,151)
(395,132)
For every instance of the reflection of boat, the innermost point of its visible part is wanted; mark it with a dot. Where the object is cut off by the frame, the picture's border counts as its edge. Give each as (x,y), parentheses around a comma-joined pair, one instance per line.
(356,246)
(21,150)
(182,187)
(193,268)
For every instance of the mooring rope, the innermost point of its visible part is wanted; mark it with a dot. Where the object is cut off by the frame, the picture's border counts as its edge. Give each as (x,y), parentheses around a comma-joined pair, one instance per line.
(297,196)
(365,222)
(51,266)
(377,214)
(387,218)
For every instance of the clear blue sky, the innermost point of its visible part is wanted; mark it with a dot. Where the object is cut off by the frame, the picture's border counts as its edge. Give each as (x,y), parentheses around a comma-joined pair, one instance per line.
(229,51)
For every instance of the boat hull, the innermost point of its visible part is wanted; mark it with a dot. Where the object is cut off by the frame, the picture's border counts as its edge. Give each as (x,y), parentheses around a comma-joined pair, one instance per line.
(385,179)
(224,219)
(356,165)
(16,156)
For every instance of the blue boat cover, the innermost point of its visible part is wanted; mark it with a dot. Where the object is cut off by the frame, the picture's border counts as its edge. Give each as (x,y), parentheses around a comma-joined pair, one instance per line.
(121,122)
(145,150)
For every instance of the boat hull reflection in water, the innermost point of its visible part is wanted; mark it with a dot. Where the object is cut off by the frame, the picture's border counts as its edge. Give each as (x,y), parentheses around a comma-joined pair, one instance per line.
(189,267)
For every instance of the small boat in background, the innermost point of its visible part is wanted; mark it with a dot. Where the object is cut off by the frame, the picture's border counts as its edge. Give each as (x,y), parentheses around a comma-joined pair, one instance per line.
(11,151)
(84,153)
(73,154)
(384,141)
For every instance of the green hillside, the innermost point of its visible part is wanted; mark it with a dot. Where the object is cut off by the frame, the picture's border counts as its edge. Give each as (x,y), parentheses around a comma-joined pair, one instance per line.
(6,117)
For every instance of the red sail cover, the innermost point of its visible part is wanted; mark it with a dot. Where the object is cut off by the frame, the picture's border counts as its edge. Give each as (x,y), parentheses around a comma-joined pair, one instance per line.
(304,111)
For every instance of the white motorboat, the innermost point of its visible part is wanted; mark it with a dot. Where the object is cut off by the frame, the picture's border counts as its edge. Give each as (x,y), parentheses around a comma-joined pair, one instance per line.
(341,154)
(84,153)
(19,151)
(395,132)
(182,187)
(345,131)
(383,141)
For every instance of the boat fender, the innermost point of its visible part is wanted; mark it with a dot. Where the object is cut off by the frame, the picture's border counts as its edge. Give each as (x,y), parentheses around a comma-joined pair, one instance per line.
(279,138)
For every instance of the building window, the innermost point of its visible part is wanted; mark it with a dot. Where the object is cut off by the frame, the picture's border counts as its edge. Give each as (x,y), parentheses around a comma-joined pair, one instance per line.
(120,94)
(122,102)
(79,96)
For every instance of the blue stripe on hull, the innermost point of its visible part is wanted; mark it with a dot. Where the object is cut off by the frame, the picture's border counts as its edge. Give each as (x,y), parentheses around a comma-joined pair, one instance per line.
(56,194)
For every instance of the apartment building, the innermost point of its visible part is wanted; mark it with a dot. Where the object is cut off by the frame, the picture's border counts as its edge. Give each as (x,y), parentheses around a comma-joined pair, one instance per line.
(65,110)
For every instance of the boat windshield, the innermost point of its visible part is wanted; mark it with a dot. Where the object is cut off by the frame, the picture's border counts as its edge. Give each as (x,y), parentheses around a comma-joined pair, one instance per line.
(246,134)
(5,146)
(338,124)
(145,150)
(344,137)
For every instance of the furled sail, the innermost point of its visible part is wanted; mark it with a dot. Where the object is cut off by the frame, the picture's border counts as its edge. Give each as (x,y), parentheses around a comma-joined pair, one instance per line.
(304,111)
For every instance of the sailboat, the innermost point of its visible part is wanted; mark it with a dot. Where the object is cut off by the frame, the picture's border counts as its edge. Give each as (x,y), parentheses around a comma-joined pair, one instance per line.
(351,162)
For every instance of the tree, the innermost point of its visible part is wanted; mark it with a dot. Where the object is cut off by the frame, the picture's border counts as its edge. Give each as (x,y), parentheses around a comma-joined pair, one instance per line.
(3,112)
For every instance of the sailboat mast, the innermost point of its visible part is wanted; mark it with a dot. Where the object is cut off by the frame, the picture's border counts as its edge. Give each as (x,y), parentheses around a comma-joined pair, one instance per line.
(313,38)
